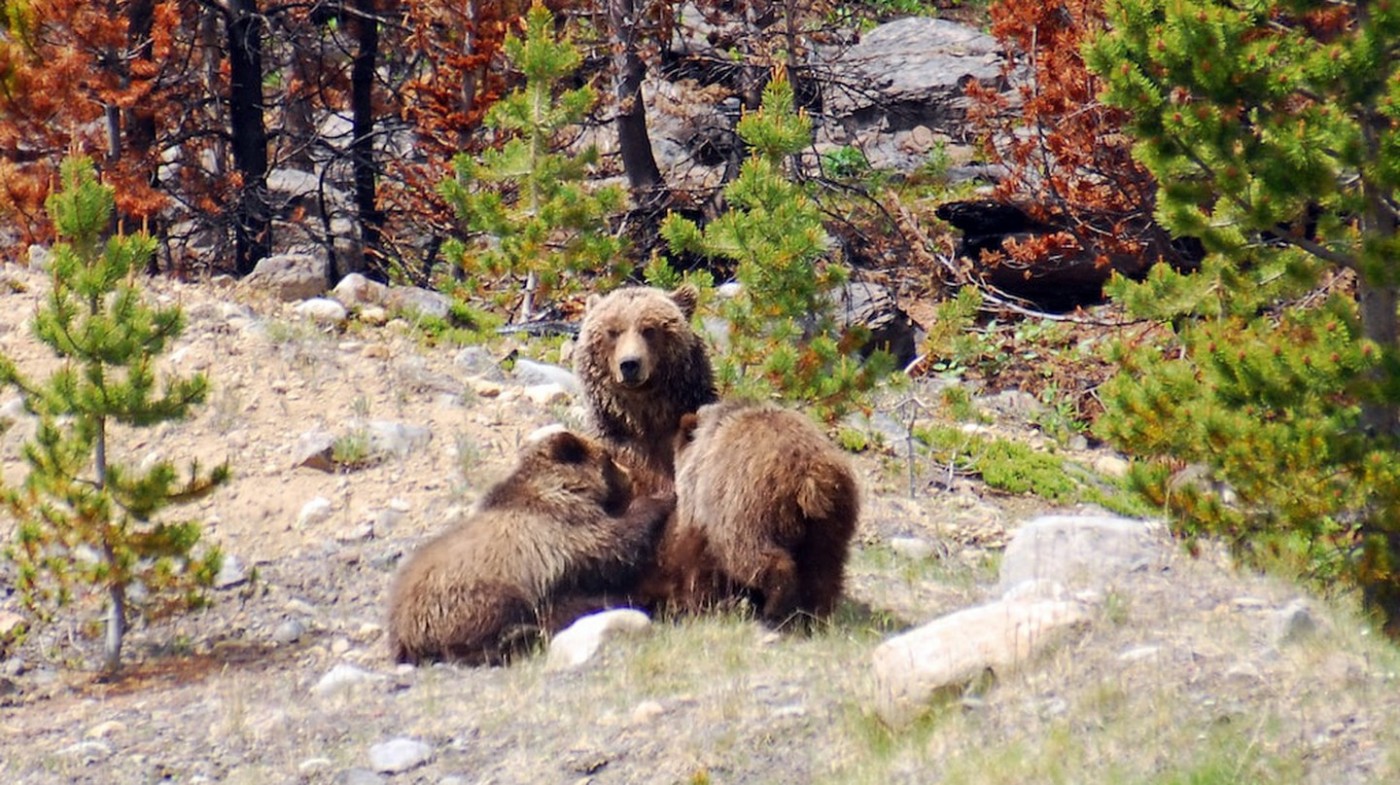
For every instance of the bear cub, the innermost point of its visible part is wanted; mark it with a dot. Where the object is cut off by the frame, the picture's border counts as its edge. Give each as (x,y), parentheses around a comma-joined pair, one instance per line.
(562,535)
(642,366)
(766,504)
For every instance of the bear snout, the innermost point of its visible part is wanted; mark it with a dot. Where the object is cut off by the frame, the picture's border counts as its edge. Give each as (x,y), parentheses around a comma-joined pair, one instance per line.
(630,365)
(630,370)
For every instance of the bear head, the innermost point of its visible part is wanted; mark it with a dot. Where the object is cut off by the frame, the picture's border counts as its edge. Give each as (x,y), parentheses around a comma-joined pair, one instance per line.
(635,334)
(561,472)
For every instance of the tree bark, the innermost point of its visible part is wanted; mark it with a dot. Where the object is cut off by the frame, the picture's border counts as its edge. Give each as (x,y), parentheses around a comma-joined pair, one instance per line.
(638,162)
(252,229)
(362,76)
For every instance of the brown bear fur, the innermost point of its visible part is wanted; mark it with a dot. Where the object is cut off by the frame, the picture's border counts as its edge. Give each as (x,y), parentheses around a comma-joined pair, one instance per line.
(542,547)
(642,366)
(775,505)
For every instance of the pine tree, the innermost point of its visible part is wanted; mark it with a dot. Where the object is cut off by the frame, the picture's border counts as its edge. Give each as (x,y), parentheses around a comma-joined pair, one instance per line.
(1272,129)
(784,337)
(82,515)
(536,222)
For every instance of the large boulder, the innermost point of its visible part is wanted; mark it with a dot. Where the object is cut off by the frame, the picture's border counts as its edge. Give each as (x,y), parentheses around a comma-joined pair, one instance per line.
(1083,551)
(292,276)
(911,72)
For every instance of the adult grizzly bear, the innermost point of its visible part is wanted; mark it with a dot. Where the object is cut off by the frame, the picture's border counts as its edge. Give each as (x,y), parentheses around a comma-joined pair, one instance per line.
(642,366)
(775,505)
(556,536)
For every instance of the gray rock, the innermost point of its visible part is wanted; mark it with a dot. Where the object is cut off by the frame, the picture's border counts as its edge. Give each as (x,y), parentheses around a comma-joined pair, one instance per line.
(415,300)
(292,276)
(357,291)
(231,573)
(1082,551)
(395,438)
(313,450)
(39,257)
(399,755)
(478,361)
(288,632)
(1293,623)
(344,676)
(578,644)
(912,72)
(531,373)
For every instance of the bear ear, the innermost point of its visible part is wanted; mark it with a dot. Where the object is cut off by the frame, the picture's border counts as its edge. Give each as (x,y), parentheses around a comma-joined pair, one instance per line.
(687,297)
(567,447)
(592,302)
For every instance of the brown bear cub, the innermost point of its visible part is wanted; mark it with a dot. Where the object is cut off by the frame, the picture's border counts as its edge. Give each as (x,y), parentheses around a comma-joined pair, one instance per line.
(561,536)
(642,366)
(775,505)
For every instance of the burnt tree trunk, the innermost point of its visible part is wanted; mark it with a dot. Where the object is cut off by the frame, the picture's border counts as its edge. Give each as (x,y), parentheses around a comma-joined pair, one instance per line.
(638,162)
(362,76)
(252,225)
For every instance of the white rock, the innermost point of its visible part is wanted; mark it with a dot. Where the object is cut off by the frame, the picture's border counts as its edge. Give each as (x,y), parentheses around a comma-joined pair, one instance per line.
(912,668)
(1082,551)
(104,729)
(373,315)
(647,712)
(318,510)
(915,548)
(546,394)
(312,766)
(396,437)
(399,755)
(322,310)
(9,622)
(529,372)
(578,644)
(355,289)
(12,410)
(1111,466)
(343,676)
(39,257)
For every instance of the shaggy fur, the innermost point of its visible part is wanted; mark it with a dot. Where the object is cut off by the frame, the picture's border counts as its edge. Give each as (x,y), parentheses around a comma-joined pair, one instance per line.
(776,505)
(642,366)
(563,531)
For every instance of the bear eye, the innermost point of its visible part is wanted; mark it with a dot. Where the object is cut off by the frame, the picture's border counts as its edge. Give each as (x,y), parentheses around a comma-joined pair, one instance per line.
(613,332)
(648,332)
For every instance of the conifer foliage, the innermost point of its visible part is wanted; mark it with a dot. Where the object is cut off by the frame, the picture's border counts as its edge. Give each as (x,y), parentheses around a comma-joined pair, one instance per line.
(533,222)
(784,337)
(83,516)
(1274,131)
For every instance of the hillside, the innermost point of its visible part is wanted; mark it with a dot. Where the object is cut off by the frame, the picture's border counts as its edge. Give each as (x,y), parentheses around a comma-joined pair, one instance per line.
(1184,674)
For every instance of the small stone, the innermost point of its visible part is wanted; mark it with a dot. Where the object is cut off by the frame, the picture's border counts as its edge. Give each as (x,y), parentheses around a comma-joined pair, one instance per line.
(318,510)
(9,622)
(1249,603)
(577,645)
(288,632)
(1111,466)
(399,755)
(533,374)
(339,646)
(1293,623)
(647,712)
(485,388)
(373,315)
(87,750)
(322,310)
(313,450)
(231,573)
(343,676)
(1138,653)
(453,779)
(376,351)
(477,361)
(312,766)
(911,547)
(104,729)
(546,394)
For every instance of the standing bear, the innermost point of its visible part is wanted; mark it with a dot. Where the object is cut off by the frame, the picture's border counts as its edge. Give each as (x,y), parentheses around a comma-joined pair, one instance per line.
(642,366)
(547,544)
(766,505)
